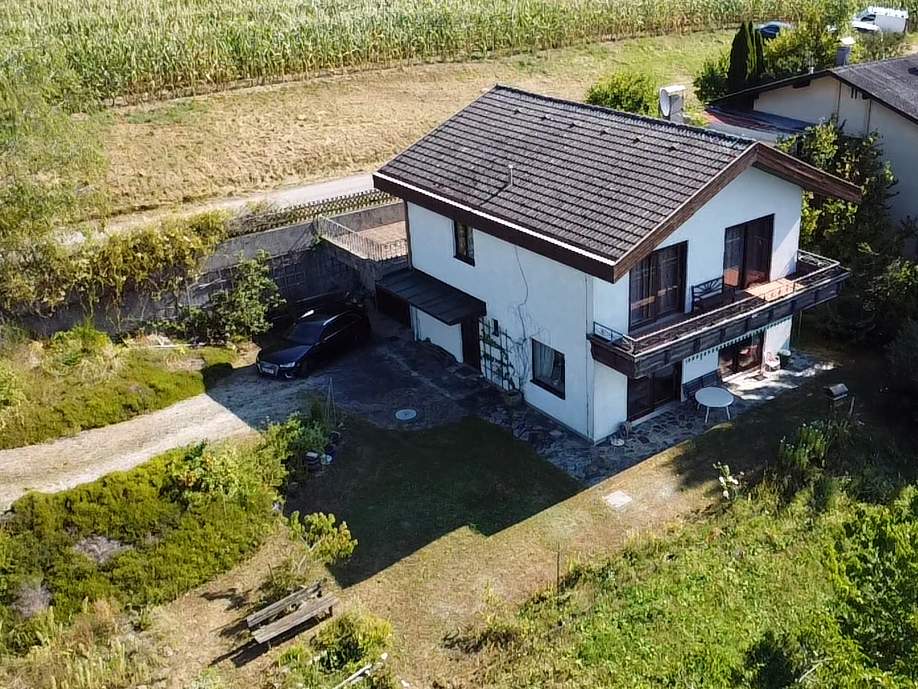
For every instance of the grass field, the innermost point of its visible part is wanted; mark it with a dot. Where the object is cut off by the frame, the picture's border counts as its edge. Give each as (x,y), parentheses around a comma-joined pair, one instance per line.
(144,48)
(257,139)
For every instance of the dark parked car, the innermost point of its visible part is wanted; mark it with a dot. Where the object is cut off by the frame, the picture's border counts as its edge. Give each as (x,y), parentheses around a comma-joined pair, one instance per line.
(773,29)
(314,337)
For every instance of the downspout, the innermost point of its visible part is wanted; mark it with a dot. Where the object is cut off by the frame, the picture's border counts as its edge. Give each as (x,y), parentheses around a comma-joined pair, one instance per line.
(590,382)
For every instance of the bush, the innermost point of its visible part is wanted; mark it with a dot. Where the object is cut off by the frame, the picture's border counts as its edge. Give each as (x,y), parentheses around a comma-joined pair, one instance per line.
(803,460)
(878,578)
(902,354)
(328,543)
(711,82)
(627,91)
(239,313)
(344,645)
(747,59)
(178,520)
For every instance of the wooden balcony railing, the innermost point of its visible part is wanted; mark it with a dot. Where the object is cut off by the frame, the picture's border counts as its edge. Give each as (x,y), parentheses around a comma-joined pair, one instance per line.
(816,280)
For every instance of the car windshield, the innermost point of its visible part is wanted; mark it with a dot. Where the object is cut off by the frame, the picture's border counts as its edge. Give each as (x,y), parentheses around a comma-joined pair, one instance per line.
(305,332)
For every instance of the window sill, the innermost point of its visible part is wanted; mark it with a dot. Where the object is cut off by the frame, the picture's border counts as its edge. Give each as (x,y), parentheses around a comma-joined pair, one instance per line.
(548,388)
(465,259)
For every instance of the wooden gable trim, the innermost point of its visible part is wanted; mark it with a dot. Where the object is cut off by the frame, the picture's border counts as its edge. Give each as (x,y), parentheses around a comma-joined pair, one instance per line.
(811,178)
(679,217)
(758,155)
(527,239)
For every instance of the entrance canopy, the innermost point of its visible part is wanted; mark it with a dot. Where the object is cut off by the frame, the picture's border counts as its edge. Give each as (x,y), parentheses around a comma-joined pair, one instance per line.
(435,298)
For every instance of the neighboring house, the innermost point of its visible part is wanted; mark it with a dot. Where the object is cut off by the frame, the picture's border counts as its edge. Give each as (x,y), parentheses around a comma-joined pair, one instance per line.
(879,97)
(599,260)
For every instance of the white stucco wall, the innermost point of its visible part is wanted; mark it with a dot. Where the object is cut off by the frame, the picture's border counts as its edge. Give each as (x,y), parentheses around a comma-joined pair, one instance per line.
(448,337)
(777,337)
(531,297)
(752,195)
(535,297)
(899,138)
(808,103)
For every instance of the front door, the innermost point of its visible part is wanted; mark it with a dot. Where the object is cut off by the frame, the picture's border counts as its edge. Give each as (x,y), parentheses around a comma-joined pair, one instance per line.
(471,345)
(652,391)
(747,253)
(745,355)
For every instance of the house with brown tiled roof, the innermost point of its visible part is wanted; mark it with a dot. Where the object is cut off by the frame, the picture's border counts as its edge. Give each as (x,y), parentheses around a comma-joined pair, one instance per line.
(601,263)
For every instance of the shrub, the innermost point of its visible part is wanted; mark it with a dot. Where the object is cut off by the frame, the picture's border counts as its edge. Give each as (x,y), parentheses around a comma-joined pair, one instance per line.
(328,543)
(878,579)
(626,91)
(11,393)
(902,354)
(238,313)
(182,518)
(802,460)
(711,82)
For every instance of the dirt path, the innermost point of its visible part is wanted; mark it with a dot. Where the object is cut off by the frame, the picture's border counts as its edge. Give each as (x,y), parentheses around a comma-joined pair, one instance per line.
(235,406)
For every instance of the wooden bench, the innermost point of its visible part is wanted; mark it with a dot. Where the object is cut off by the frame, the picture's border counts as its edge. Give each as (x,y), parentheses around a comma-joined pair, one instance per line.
(308,610)
(271,611)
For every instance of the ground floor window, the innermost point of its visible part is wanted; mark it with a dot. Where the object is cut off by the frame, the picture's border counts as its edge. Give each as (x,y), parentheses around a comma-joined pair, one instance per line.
(548,368)
(745,355)
(652,391)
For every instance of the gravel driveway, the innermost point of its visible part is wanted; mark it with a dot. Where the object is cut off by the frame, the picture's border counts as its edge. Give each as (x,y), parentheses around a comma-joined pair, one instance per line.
(373,381)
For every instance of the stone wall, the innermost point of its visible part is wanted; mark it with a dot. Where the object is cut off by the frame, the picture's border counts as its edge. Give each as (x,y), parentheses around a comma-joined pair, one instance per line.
(301,266)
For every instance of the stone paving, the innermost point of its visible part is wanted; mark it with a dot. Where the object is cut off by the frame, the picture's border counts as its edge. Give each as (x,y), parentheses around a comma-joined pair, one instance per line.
(398,373)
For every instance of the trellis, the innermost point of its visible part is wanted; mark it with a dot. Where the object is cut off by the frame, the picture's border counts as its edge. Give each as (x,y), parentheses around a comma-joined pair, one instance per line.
(495,354)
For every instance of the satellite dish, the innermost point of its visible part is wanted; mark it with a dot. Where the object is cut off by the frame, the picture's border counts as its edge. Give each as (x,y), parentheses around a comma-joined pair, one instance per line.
(671,98)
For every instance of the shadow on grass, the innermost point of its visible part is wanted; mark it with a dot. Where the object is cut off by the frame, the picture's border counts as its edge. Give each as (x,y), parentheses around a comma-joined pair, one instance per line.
(750,443)
(401,490)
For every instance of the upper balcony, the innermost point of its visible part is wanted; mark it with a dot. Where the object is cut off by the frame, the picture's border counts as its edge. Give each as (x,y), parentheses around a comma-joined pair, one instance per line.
(719,318)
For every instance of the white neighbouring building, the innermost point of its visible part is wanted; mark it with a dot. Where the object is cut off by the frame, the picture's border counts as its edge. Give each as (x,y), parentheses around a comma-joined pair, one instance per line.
(601,261)
(880,97)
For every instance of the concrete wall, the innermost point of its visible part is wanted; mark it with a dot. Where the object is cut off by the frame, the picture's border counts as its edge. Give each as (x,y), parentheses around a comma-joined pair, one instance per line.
(530,296)
(300,267)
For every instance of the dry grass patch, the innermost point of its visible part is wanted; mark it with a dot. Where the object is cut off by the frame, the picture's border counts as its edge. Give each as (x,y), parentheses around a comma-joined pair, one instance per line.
(256,139)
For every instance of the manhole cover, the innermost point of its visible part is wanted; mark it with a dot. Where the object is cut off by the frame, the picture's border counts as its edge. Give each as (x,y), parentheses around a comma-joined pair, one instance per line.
(406,415)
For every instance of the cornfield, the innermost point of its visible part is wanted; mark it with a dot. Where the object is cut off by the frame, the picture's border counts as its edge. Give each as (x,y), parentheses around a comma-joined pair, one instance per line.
(136,49)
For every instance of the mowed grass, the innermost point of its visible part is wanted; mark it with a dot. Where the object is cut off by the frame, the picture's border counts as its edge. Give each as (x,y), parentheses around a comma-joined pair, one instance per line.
(452,518)
(252,140)
(143,48)
(58,389)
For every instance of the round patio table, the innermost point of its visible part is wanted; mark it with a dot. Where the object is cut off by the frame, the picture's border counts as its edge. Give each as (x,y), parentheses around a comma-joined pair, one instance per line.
(714,398)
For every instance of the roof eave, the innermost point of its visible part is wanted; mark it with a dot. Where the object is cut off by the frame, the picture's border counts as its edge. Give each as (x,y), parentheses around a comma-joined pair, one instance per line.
(527,238)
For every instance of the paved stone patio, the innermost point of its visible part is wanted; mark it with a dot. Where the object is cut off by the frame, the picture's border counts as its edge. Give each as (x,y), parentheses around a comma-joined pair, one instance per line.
(397,373)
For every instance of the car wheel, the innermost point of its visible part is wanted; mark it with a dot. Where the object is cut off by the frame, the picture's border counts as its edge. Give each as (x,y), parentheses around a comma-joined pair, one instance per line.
(305,369)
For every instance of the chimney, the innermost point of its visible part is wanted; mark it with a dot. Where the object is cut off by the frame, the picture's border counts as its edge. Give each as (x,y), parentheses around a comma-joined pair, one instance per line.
(843,51)
(672,99)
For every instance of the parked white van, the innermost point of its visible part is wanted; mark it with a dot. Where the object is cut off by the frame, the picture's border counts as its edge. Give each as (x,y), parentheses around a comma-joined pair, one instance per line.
(880,19)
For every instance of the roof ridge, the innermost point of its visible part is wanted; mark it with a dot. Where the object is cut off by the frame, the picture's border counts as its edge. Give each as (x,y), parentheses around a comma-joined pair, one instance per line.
(623,113)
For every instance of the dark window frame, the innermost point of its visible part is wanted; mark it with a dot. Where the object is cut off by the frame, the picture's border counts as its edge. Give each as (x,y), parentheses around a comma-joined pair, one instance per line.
(652,263)
(463,248)
(548,385)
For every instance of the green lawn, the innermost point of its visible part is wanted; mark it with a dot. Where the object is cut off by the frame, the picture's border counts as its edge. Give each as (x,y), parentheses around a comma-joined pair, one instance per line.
(81,380)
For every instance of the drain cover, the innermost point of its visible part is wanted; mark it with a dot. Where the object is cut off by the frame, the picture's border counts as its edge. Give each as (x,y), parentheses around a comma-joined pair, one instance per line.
(617,500)
(406,414)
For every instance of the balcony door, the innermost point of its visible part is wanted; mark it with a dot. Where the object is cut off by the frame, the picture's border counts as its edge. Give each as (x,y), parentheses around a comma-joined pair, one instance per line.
(652,391)
(747,252)
(658,286)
